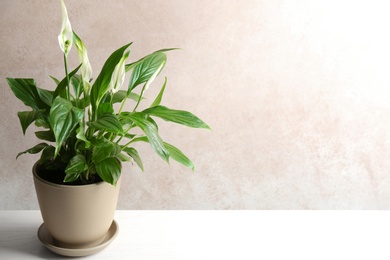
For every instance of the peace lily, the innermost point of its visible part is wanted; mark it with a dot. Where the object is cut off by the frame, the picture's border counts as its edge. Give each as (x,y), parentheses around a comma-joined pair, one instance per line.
(118,76)
(65,38)
(84,137)
(86,69)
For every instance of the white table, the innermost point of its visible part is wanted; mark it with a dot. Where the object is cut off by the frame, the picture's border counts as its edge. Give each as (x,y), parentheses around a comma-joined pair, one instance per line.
(219,235)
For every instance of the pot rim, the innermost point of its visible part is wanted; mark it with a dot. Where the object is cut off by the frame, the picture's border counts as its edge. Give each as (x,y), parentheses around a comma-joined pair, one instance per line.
(36,176)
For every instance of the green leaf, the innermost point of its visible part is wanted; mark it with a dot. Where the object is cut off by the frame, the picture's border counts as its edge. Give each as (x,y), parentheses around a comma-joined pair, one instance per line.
(46,96)
(104,150)
(77,85)
(26,91)
(33,150)
(47,154)
(55,80)
(148,126)
(107,123)
(102,83)
(27,117)
(76,166)
(145,69)
(158,99)
(61,87)
(81,136)
(134,154)
(46,135)
(106,105)
(178,156)
(176,116)
(133,64)
(122,94)
(42,121)
(63,119)
(109,170)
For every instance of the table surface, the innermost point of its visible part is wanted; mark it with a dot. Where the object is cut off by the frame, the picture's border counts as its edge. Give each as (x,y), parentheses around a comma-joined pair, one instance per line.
(219,235)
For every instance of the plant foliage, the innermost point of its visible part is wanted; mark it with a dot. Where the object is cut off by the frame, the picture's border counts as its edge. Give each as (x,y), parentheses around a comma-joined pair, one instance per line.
(83,134)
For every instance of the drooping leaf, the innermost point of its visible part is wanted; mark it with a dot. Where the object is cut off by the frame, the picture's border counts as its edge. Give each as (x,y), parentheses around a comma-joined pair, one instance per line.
(134,154)
(105,150)
(179,156)
(76,166)
(36,149)
(146,124)
(109,170)
(28,117)
(107,123)
(158,99)
(177,116)
(26,91)
(63,119)
(102,83)
(145,69)
(46,135)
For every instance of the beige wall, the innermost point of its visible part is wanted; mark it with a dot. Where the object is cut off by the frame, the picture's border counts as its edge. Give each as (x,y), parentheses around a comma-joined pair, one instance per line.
(296,93)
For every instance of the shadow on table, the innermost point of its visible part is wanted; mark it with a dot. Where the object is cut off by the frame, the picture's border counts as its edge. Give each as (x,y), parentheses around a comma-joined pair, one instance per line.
(23,242)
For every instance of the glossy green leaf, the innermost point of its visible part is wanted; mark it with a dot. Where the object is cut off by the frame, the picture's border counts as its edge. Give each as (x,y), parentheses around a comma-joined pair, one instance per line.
(149,128)
(134,154)
(104,150)
(158,99)
(177,116)
(46,96)
(107,123)
(76,166)
(28,117)
(46,135)
(145,69)
(36,149)
(77,85)
(109,170)
(63,119)
(102,83)
(179,156)
(26,91)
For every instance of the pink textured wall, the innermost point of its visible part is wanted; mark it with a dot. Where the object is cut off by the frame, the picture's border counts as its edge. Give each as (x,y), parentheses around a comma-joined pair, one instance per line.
(296,91)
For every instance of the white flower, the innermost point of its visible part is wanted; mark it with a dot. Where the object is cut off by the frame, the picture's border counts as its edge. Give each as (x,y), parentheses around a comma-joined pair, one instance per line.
(118,75)
(86,69)
(65,38)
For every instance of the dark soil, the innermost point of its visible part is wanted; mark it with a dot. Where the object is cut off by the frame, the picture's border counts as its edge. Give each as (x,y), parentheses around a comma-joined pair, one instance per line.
(57,177)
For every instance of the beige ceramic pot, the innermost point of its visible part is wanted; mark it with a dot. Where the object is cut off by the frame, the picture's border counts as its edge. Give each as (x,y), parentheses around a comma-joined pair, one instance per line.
(76,216)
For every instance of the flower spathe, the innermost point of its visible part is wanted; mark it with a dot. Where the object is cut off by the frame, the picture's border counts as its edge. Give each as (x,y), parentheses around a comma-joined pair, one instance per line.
(65,39)
(119,73)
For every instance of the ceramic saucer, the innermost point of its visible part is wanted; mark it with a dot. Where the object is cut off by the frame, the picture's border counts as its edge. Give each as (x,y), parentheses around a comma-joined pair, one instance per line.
(48,241)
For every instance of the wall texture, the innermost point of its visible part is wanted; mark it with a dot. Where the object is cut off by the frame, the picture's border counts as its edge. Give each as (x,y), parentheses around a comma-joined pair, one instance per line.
(296,92)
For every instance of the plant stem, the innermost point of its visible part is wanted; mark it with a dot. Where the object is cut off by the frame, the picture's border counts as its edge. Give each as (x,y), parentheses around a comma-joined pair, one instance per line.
(67,77)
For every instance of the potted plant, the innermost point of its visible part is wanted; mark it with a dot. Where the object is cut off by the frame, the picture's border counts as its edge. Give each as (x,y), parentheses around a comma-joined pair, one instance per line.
(87,135)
